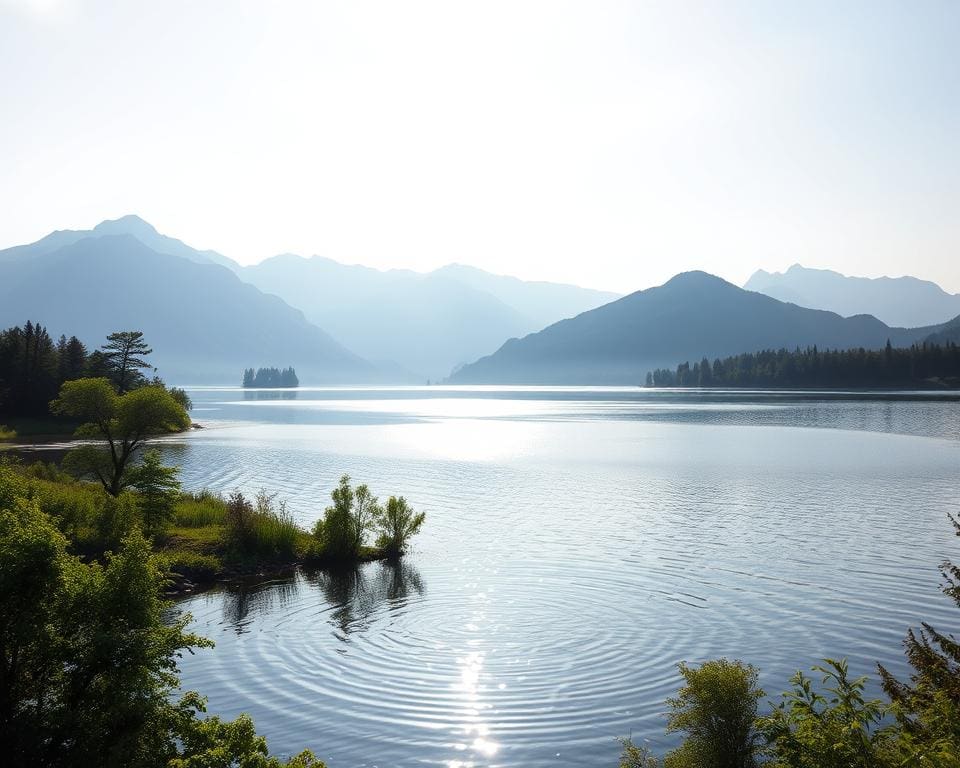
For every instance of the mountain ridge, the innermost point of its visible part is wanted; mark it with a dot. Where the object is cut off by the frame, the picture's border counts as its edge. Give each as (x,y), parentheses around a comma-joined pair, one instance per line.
(430,322)
(90,288)
(692,315)
(899,301)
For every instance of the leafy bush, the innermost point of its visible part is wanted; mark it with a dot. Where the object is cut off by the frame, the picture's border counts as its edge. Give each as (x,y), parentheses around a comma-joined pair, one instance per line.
(75,507)
(157,489)
(839,730)
(344,527)
(396,523)
(89,657)
(119,517)
(181,396)
(716,708)
(633,756)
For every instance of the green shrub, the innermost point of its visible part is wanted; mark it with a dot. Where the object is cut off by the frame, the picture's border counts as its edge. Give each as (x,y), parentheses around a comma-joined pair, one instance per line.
(157,489)
(717,709)
(6,433)
(75,507)
(838,730)
(90,654)
(345,525)
(633,756)
(396,522)
(118,518)
(46,470)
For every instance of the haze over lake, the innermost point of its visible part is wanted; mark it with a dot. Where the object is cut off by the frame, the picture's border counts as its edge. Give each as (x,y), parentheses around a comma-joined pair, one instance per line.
(579,543)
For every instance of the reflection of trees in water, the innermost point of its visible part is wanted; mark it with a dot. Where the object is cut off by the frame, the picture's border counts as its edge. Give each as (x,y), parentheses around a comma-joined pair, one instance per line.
(355,594)
(244,600)
(269,394)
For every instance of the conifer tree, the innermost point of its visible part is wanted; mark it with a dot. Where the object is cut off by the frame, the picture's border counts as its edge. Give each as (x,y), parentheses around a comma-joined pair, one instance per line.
(125,351)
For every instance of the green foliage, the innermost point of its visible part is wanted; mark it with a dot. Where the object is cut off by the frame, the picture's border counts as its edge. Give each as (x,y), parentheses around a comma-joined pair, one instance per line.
(124,422)
(396,522)
(262,529)
(839,730)
(811,367)
(215,743)
(344,527)
(29,368)
(633,756)
(88,657)
(158,490)
(928,706)
(6,433)
(181,396)
(716,708)
(118,517)
(124,353)
(199,510)
(193,565)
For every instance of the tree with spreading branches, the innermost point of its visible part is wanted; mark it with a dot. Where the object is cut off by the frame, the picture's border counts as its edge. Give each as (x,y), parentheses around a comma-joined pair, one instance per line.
(122,421)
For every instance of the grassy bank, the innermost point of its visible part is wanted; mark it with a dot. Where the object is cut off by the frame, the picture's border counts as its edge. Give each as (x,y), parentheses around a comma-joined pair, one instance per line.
(205,537)
(211,538)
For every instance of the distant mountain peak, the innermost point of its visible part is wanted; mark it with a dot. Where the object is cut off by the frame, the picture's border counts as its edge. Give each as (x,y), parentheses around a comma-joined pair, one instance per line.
(907,302)
(696,277)
(129,224)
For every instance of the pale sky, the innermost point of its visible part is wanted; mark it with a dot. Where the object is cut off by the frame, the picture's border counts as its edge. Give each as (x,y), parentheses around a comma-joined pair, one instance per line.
(610,144)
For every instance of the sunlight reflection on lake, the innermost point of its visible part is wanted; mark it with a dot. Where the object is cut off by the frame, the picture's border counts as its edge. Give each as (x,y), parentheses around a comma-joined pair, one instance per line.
(578,544)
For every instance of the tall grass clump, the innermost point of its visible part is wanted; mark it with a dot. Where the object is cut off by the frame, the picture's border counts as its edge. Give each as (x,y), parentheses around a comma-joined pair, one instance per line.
(262,528)
(6,433)
(199,510)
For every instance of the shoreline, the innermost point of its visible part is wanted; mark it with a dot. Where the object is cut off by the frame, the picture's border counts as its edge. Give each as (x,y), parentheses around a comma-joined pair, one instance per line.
(186,584)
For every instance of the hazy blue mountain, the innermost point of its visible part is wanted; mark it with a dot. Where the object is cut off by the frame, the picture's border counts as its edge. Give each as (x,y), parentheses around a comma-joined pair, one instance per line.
(203,322)
(430,322)
(125,225)
(899,301)
(691,316)
(542,302)
(947,332)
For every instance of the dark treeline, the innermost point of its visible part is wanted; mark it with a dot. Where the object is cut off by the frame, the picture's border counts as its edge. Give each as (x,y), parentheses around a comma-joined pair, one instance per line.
(270,377)
(919,365)
(34,367)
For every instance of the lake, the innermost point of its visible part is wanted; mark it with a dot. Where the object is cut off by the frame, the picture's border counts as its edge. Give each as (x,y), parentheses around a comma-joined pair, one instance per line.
(578,544)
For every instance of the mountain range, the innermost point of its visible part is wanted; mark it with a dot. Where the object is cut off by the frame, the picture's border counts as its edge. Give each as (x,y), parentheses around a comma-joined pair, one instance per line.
(693,315)
(204,323)
(429,323)
(209,318)
(898,301)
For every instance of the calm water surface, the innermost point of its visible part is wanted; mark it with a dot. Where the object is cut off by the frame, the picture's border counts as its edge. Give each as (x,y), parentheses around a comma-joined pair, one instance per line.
(578,544)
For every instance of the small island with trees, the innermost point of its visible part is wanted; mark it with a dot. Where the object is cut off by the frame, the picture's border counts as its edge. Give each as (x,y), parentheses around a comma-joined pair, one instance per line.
(270,378)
